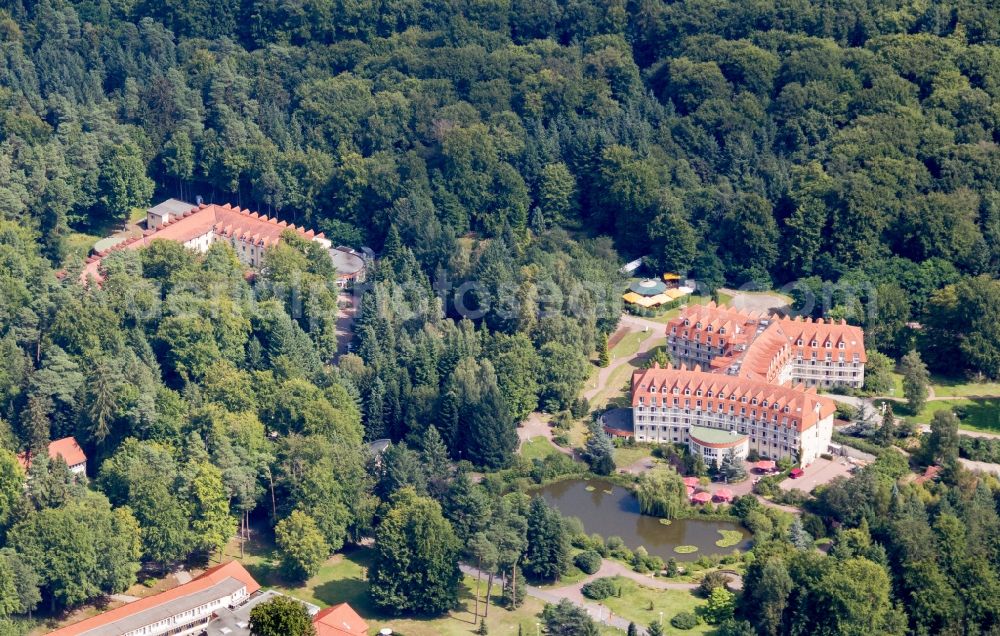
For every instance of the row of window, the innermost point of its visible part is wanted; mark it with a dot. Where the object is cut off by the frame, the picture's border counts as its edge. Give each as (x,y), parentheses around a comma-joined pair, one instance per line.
(743,429)
(698,393)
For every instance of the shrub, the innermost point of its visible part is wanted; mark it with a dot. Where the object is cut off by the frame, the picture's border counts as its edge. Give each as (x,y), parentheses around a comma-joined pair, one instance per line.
(588,561)
(600,589)
(684,620)
(711,581)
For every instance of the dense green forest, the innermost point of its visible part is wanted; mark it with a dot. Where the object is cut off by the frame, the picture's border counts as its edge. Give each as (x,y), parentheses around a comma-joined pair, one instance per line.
(530,146)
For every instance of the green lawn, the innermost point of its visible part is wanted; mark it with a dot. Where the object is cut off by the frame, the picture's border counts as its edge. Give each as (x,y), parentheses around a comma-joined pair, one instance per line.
(537,448)
(960,387)
(635,599)
(980,414)
(897,384)
(629,455)
(79,244)
(669,315)
(629,345)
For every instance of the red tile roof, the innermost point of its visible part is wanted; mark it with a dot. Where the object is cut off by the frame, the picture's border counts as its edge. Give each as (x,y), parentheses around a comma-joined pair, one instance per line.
(804,407)
(67,448)
(339,620)
(822,332)
(713,323)
(208,579)
(223,220)
(762,352)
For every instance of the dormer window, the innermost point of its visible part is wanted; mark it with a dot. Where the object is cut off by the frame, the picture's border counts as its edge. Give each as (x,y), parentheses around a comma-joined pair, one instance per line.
(697,325)
(687,391)
(698,393)
(676,391)
(827,345)
(784,410)
(687,323)
(710,329)
(722,330)
(813,343)
(753,401)
(799,342)
(840,345)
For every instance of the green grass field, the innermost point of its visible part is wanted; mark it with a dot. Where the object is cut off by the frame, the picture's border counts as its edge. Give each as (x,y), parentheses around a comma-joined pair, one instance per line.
(629,345)
(626,456)
(635,601)
(960,387)
(537,448)
(982,414)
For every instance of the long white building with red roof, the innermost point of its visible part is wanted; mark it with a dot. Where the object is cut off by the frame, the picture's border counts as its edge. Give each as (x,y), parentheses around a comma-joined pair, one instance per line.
(776,349)
(197,227)
(716,413)
(182,611)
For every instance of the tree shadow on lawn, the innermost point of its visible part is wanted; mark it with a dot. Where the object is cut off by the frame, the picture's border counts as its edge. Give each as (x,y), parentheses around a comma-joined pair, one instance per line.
(354,591)
(981,413)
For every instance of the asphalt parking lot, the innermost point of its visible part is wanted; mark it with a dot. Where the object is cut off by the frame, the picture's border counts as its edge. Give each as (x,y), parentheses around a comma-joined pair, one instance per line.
(822,471)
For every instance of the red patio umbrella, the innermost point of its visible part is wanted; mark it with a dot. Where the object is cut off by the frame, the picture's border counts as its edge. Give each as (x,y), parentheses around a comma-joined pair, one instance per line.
(691,481)
(701,498)
(765,465)
(724,494)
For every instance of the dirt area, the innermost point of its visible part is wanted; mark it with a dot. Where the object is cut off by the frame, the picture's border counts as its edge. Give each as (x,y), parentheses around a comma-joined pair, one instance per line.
(821,471)
(755,301)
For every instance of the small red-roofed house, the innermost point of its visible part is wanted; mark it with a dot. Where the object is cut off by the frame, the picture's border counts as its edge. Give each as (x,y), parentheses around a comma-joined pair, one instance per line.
(68,449)
(339,620)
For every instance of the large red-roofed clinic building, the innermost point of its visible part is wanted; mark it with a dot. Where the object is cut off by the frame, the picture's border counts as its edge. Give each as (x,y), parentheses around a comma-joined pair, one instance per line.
(747,381)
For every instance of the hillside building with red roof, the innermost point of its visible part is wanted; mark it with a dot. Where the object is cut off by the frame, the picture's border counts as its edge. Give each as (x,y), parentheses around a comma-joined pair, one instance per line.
(68,449)
(250,234)
(717,413)
(820,353)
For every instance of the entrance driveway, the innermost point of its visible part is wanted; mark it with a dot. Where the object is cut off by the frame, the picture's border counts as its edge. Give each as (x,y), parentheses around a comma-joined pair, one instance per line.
(822,471)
